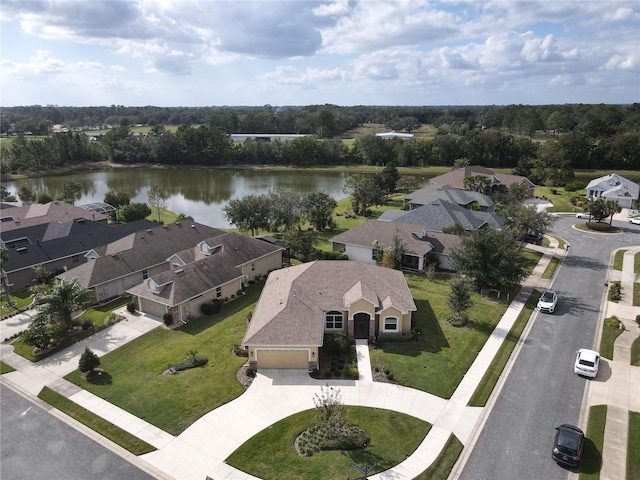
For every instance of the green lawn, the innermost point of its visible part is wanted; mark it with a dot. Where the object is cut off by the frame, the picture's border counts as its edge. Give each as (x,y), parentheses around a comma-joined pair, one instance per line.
(636,263)
(442,466)
(100,425)
(635,354)
(4,368)
(491,376)
(271,454)
(20,300)
(98,314)
(561,242)
(633,446)
(560,199)
(610,331)
(618,259)
(174,402)
(636,294)
(436,364)
(592,451)
(551,268)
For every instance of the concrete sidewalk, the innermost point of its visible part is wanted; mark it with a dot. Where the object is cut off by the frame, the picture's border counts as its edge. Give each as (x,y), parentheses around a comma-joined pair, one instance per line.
(618,383)
(201,449)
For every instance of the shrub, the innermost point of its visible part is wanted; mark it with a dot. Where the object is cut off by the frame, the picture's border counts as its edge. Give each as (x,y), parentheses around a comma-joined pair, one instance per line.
(89,361)
(554,191)
(240,351)
(212,307)
(638,319)
(168,318)
(191,362)
(131,307)
(599,226)
(322,255)
(615,291)
(87,324)
(574,186)
(337,344)
(390,376)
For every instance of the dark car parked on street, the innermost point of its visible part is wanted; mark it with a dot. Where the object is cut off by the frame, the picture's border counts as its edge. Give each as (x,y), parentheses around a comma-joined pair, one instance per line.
(567,447)
(534,238)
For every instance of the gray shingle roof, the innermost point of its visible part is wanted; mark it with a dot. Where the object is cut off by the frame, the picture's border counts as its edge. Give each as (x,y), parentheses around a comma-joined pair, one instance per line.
(291,308)
(375,230)
(441,214)
(417,240)
(36,214)
(455,177)
(50,241)
(434,191)
(610,185)
(139,251)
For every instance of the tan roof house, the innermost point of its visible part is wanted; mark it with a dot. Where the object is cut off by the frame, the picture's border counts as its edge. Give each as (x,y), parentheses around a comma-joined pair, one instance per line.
(300,304)
(497,181)
(216,268)
(360,243)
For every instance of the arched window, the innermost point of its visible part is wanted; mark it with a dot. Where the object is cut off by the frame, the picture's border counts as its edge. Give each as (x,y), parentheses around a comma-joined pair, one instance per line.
(333,320)
(391,324)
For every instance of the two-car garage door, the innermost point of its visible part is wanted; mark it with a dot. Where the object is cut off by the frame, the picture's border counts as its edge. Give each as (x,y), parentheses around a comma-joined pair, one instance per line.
(283,358)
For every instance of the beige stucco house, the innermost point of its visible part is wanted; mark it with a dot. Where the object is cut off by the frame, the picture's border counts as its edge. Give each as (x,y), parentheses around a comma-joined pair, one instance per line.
(300,304)
(216,268)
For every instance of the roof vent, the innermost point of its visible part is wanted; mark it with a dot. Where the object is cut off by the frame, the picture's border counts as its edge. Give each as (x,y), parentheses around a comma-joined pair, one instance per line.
(180,270)
(21,249)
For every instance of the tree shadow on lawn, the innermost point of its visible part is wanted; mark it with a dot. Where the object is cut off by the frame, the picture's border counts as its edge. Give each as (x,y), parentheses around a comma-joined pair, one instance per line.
(432,339)
(367,458)
(99,378)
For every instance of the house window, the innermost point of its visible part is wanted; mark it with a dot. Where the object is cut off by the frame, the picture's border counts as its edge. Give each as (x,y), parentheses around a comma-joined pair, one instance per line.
(391,324)
(410,262)
(333,320)
(253,267)
(145,274)
(218,292)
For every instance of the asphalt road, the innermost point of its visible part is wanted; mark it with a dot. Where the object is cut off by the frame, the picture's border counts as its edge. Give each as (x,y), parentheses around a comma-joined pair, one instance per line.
(36,445)
(541,390)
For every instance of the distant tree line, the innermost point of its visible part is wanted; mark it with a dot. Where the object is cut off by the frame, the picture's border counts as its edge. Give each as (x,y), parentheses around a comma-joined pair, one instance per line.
(577,137)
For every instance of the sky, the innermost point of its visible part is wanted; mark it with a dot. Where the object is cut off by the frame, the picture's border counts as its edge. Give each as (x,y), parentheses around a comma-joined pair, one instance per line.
(392,52)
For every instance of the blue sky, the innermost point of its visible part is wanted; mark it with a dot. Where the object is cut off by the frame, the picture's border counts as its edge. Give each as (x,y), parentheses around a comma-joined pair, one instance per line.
(400,52)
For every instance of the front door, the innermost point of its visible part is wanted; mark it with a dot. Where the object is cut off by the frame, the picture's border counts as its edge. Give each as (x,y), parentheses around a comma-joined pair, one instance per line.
(361,326)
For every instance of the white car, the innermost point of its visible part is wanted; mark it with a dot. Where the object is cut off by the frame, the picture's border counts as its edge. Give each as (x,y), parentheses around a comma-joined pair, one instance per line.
(587,363)
(583,215)
(547,302)
(635,220)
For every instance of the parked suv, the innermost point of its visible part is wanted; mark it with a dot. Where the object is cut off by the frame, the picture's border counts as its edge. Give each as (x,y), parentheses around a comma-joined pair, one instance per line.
(567,447)
(535,238)
(547,302)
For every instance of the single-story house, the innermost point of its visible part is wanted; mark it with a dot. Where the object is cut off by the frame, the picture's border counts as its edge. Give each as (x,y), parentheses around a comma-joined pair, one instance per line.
(300,304)
(114,267)
(440,214)
(360,243)
(57,246)
(216,268)
(464,198)
(614,187)
(497,181)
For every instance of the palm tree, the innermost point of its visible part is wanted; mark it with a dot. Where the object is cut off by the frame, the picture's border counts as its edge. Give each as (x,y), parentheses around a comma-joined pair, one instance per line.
(60,300)
(611,207)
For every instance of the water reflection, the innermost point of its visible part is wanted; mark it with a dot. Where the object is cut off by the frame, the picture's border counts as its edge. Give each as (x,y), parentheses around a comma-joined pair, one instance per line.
(200,193)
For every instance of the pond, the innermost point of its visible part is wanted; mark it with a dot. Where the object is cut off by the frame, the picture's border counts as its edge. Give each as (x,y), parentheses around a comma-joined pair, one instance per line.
(199,193)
